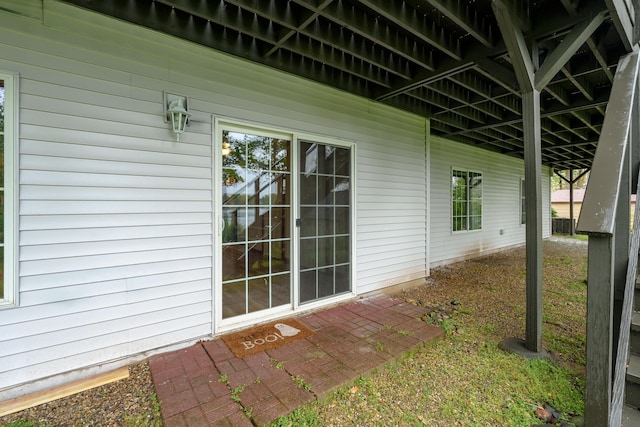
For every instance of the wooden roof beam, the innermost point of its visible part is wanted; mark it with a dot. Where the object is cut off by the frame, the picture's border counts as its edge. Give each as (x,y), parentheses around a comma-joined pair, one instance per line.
(624,20)
(407,18)
(377,32)
(516,45)
(550,27)
(580,83)
(498,74)
(598,51)
(515,119)
(586,119)
(565,123)
(453,11)
(309,26)
(557,59)
(244,22)
(601,56)
(358,46)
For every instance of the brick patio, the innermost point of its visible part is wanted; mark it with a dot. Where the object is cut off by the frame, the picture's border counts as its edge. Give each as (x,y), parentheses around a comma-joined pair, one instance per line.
(350,340)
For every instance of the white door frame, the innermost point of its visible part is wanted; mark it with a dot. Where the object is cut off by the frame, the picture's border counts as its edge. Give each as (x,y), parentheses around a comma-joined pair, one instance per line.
(223,325)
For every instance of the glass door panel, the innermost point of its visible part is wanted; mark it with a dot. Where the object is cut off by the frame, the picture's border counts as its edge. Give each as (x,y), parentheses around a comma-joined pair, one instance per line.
(325,224)
(256,238)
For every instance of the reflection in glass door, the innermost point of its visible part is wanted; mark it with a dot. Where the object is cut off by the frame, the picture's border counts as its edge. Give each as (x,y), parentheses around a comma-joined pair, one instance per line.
(325,221)
(256,238)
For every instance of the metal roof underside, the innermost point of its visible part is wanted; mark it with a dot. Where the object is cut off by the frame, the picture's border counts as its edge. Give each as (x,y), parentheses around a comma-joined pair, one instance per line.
(442,59)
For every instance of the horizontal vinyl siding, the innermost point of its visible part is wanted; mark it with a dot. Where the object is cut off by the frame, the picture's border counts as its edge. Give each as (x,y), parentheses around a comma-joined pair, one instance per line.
(116,217)
(391,202)
(500,208)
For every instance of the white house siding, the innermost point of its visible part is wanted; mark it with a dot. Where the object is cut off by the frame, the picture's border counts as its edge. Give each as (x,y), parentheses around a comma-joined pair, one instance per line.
(116,217)
(500,208)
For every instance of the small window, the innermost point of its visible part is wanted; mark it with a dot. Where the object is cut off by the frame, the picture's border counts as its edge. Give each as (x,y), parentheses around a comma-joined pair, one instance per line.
(466,196)
(523,206)
(7,187)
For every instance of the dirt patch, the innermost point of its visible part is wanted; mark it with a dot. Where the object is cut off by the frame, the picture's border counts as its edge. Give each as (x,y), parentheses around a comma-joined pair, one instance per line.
(492,289)
(128,402)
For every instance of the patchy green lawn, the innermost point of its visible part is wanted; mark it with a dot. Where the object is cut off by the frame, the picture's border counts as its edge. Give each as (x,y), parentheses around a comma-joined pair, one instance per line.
(463,379)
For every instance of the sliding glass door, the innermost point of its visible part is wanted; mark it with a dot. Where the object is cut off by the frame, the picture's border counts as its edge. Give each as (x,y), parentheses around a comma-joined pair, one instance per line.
(325,221)
(257,205)
(256,211)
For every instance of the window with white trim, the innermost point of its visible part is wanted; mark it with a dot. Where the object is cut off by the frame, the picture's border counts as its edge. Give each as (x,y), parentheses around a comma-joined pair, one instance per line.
(466,197)
(8,101)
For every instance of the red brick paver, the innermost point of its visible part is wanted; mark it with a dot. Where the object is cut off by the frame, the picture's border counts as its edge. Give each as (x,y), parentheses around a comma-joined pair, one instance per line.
(207,385)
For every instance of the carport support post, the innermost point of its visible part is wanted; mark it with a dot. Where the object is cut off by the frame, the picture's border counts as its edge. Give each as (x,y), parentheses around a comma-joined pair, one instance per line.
(533,207)
(571,181)
(528,73)
(572,227)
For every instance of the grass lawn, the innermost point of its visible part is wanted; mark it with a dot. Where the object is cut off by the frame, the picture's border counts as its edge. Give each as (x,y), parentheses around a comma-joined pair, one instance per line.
(464,379)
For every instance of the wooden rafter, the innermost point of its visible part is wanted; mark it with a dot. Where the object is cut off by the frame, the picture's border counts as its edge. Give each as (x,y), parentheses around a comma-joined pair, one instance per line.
(444,59)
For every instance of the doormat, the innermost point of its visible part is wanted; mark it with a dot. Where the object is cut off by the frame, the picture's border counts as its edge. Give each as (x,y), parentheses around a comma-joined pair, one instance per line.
(266,336)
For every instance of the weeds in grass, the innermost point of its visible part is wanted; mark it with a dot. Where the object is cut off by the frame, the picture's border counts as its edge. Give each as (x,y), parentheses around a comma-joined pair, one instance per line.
(490,329)
(571,347)
(469,377)
(449,326)
(25,423)
(149,419)
(305,416)
(464,378)
(156,406)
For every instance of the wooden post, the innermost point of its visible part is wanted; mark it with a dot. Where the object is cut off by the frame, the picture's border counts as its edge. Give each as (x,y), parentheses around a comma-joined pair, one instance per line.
(525,62)
(572,229)
(599,331)
(533,207)
(571,180)
(621,248)
(602,220)
(533,77)
(634,134)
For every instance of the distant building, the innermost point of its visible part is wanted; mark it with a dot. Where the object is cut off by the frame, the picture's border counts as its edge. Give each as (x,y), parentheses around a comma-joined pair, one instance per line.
(560,203)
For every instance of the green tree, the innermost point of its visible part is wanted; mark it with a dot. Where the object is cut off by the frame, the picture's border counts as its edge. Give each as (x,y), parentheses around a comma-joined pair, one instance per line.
(557,183)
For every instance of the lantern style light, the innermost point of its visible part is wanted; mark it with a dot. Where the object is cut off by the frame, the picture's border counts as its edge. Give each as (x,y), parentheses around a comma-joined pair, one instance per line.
(176,113)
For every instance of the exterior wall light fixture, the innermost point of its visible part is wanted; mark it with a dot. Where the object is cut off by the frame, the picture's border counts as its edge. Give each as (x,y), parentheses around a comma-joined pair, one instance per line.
(176,112)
